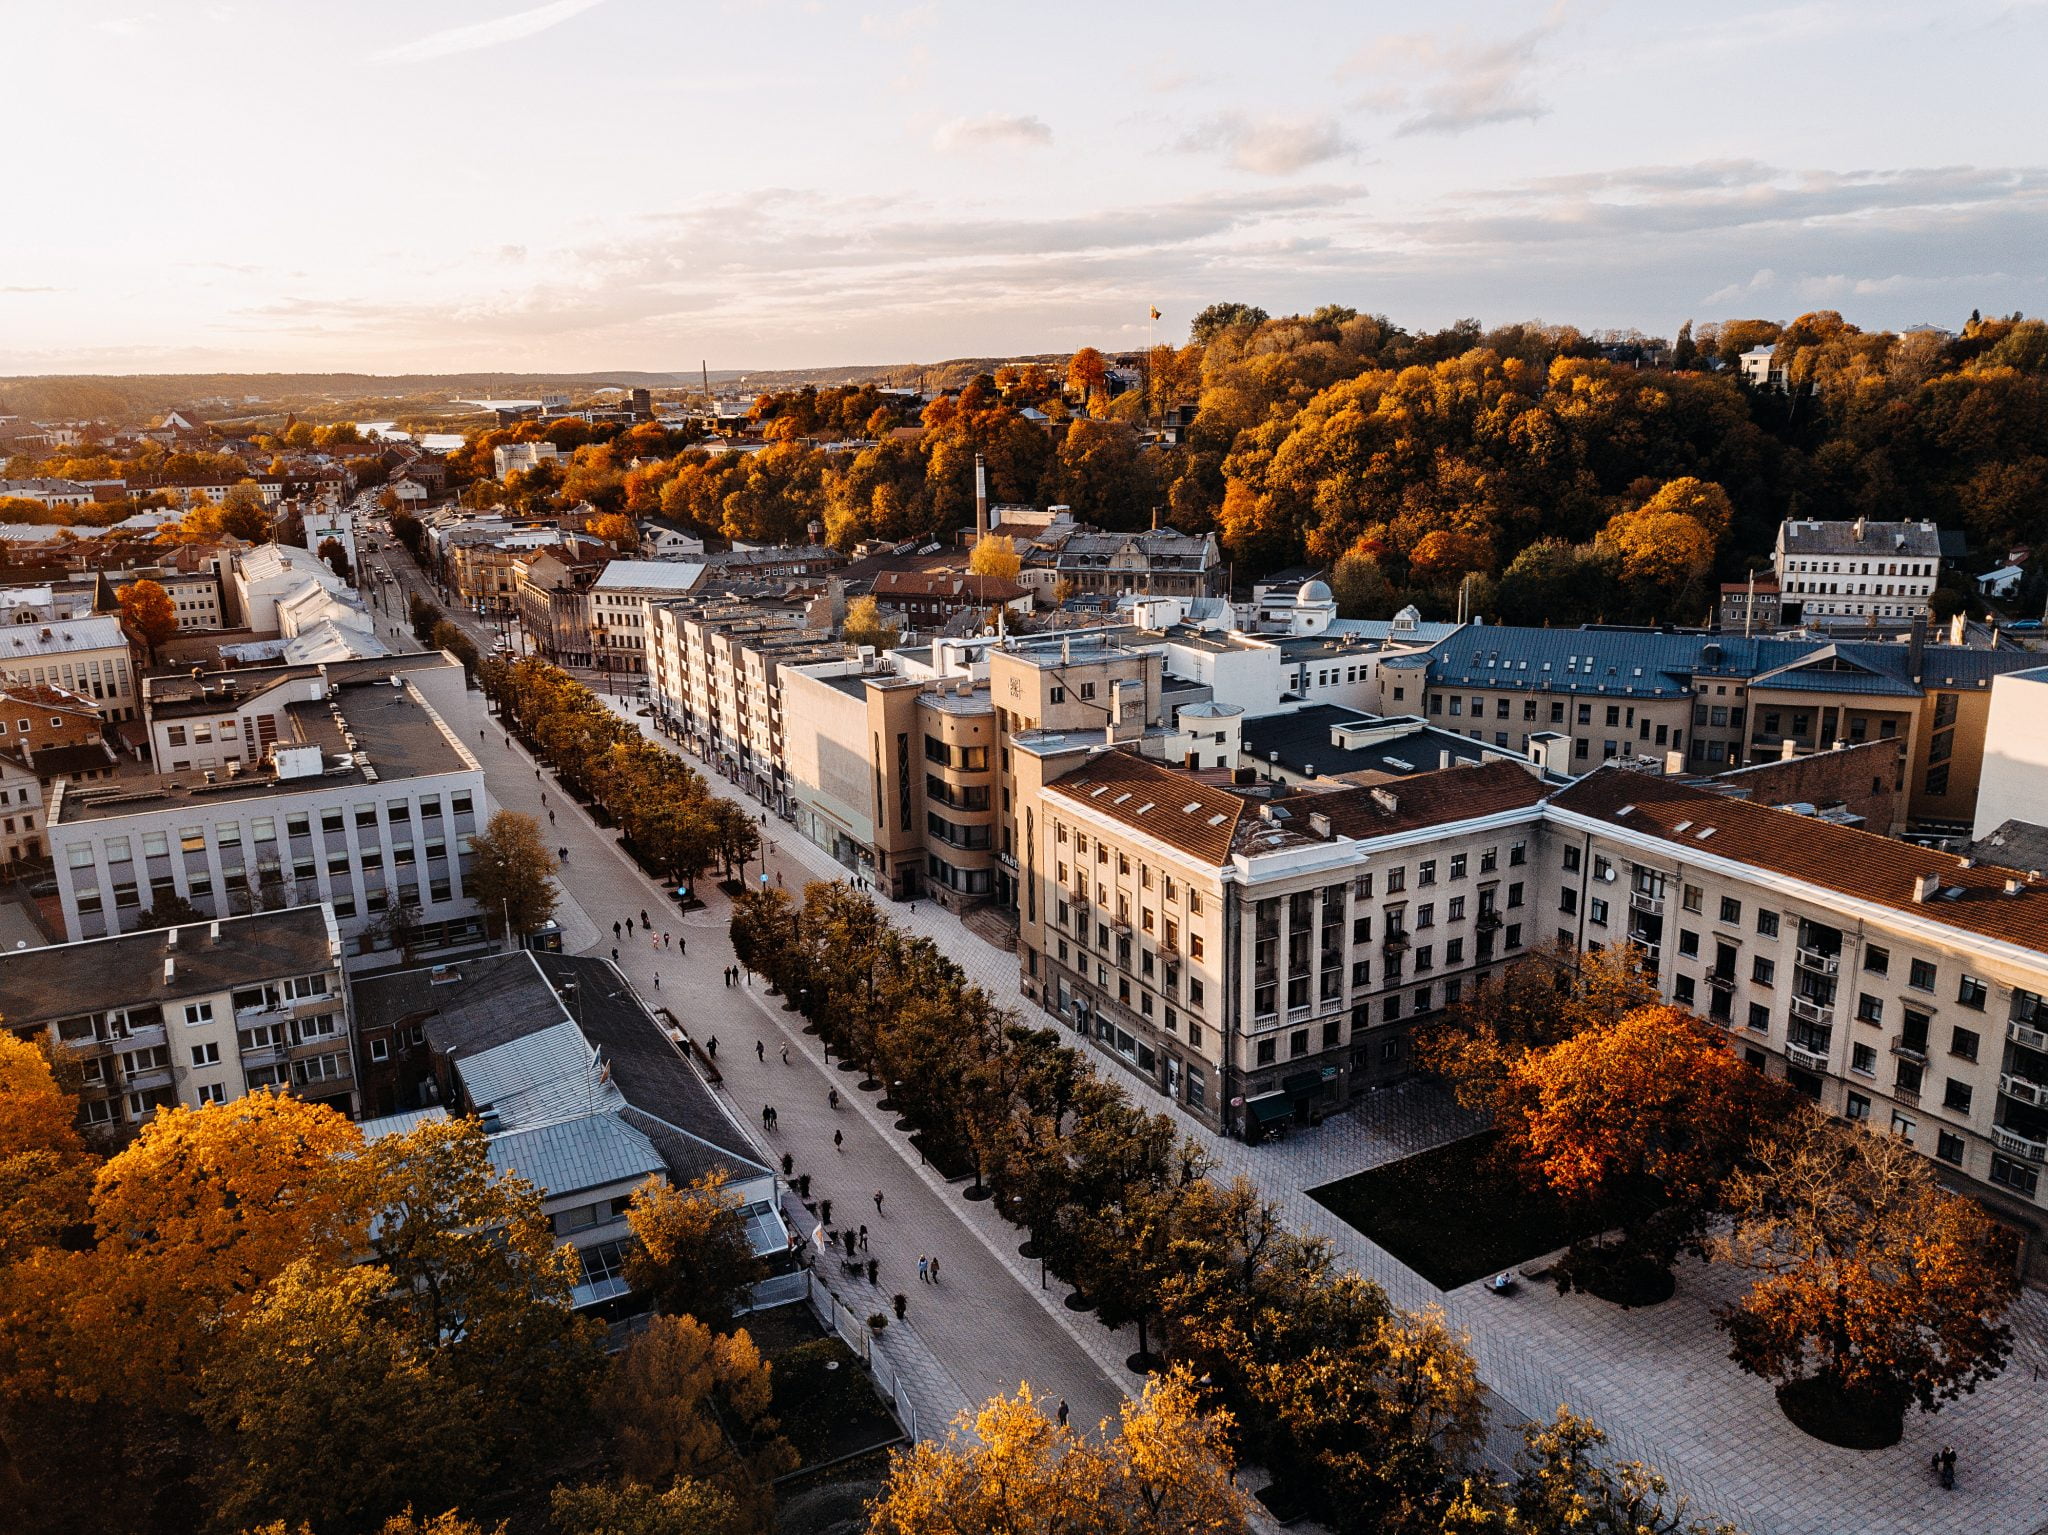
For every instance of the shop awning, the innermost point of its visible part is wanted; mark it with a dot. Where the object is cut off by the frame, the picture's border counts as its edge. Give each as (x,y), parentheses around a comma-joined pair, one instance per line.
(1270,1109)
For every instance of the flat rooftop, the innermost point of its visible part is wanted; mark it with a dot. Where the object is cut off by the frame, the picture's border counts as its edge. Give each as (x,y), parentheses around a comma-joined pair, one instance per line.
(394,732)
(1304,742)
(127,969)
(178,695)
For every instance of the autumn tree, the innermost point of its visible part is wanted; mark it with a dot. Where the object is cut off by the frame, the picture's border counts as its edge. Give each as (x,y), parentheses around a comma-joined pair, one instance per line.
(685,1403)
(1087,372)
(323,1412)
(1877,1288)
(996,556)
(148,613)
(1653,1106)
(864,625)
(616,529)
(513,876)
(1564,1484)
(45,1169)
(1222,316)
(693,1257)
(1011,1470)
(684,1507)
(244,514)
(1539,1001)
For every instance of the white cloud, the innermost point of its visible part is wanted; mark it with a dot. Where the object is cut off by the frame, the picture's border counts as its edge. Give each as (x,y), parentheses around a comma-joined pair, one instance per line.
(486,34)
(1270,145)
(991,130)
(1465,83)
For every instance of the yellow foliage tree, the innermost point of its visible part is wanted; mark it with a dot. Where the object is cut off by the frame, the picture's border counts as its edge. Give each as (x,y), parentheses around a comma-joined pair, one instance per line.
(1013,1471)
(616,529)
(996,556)
(1661,548)
(691,1250)
(864,625)
(148,613)
(45,1169)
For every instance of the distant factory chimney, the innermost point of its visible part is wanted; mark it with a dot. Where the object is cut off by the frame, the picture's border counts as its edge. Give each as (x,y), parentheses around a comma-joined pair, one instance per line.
(980,500)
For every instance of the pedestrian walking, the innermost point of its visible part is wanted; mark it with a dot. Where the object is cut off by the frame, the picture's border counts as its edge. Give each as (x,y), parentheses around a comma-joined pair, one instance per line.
(1945,1463)
(616,930)
(562,853)
(643,918)
(766,1114)
(778,879)
(615,954)
(760,1051)
(935,1268)
(924,1272)
(832,1097)
(785,1055)
(657,980)
(878,1201)
(775,1118)
(838,1140)
(551,818)
(712,1048)
(863,1237)
(1063,1412)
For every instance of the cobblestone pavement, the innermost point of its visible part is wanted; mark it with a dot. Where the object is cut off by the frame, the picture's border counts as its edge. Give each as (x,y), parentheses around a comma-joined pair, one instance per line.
(1659,1381)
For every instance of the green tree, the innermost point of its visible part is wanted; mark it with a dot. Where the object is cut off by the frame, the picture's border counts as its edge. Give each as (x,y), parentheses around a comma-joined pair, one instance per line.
(513,875)
(244,513)
(335,554)
(1222,316)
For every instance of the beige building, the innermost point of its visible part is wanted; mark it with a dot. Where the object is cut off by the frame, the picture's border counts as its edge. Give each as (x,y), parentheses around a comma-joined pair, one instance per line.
(1258,957)
(188,1016)
(88,656)
(620,600)
(1897,986)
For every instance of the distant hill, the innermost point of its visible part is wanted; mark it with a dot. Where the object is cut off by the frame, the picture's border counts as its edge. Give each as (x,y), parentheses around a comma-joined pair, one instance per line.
(131,398)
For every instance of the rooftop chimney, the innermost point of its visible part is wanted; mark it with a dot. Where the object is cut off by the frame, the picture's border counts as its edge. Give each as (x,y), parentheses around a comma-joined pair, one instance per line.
(980,500)
(1924,887)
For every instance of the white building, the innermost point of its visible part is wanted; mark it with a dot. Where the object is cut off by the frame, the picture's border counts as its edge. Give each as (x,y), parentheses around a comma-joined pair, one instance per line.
(2012,785)
(512,458)
(269,572)
(1859,569)
(618,607)
(1761,369)
(336,784)
(327,520)
(87,655)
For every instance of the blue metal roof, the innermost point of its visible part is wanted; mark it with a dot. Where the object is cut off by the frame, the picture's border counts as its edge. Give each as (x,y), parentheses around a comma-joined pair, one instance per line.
(590,1151)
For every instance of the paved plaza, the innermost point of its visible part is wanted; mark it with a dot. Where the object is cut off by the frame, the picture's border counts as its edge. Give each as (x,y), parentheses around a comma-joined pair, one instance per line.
(1659,1381)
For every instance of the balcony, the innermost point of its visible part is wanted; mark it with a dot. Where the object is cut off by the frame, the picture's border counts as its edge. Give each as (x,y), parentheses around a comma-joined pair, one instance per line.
(2023,1034)
(1489,920)
(1721,980)
(2022,1089)
(1809,1011)
(1819,961)
(1812,1060)
(1910,1049)
(1648,905)
(146,1078)
(1395,943)
(2014,1144)
(140,1038)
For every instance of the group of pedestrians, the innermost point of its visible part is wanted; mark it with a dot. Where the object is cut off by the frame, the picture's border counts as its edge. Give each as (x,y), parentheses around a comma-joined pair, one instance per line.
(733,974)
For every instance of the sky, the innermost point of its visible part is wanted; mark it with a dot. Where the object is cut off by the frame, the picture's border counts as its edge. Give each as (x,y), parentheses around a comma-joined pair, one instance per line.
(581,185)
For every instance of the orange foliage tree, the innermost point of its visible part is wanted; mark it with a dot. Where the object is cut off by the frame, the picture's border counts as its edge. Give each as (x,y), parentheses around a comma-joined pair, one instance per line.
(1652,1106)
(1878,1289)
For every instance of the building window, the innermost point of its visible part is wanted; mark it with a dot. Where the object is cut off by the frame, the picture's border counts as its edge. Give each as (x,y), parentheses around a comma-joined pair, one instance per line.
(1948,1146)
(1955,1096)
(1731,910)
(1877,961)
(1692,898)
(1863,1060)
(1858,1108)
(1760,1017)
(1963,1043)
(1922,977)
(1971,993)
(1767,924)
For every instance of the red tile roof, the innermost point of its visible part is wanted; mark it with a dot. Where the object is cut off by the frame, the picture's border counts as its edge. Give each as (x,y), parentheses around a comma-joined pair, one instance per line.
(1842,859)
(1199,819)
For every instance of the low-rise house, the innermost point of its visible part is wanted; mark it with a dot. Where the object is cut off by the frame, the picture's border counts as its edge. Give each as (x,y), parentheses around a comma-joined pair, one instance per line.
(582,1092)
(191,1015)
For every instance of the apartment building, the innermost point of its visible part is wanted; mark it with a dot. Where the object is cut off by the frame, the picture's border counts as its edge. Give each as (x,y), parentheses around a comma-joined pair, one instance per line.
(1257,957)
(619,602)
(86,656)
(35,718)
(21,813)
(1895,985)
(1858,570)
(1716,700)
(365,800)
(192,1015)
(715,682)
(272,573)
(551,595)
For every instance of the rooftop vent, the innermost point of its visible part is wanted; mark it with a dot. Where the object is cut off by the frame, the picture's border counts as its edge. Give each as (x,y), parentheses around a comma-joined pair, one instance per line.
(1387,801)
(1319,824)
